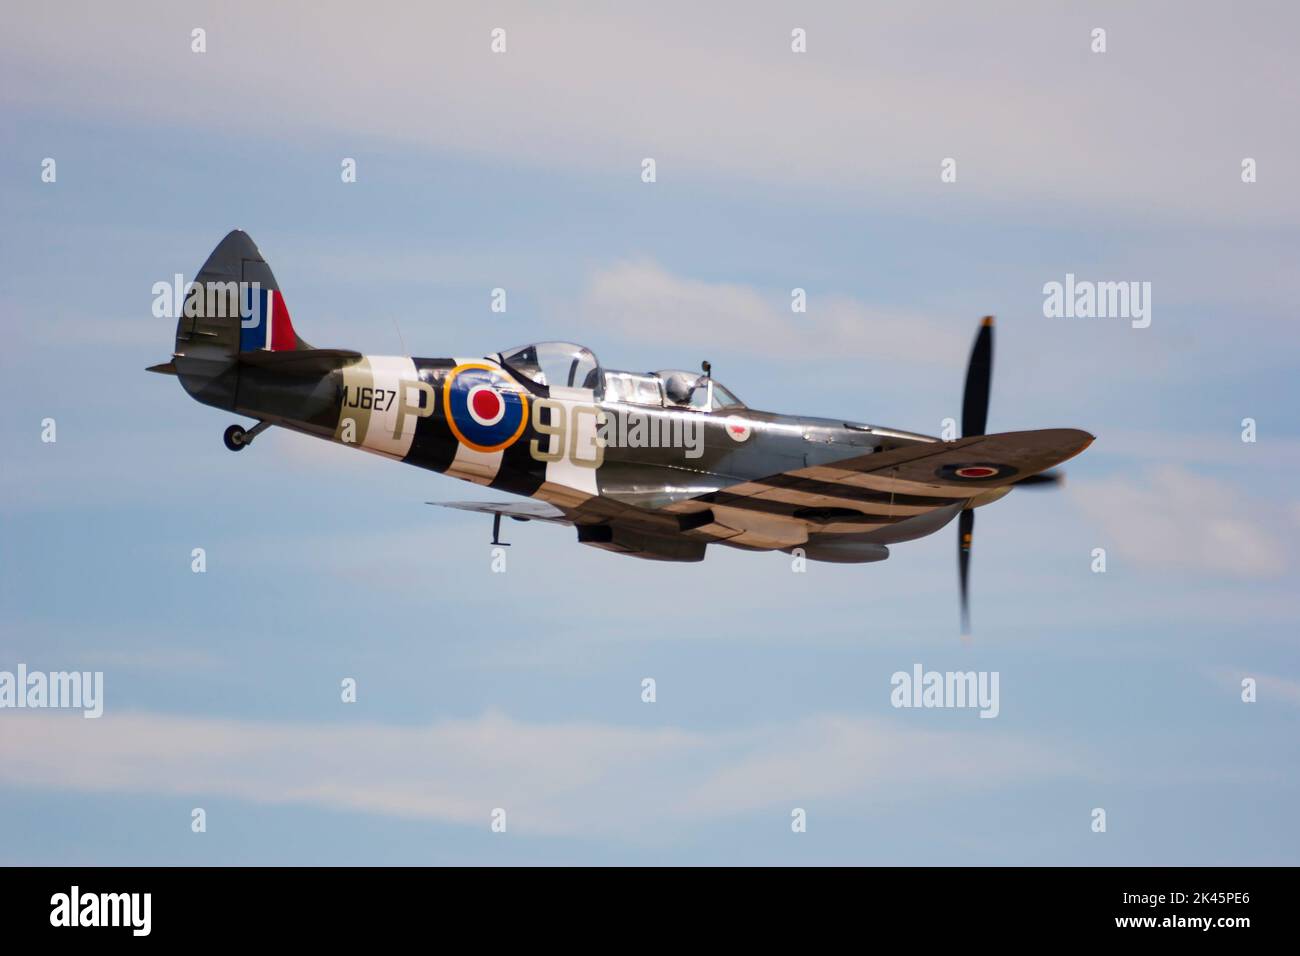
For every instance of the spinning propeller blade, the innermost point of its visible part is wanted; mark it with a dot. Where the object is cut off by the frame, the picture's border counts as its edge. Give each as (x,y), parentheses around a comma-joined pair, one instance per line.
(1044,479)
(965,528)
(979,382)
(974,416)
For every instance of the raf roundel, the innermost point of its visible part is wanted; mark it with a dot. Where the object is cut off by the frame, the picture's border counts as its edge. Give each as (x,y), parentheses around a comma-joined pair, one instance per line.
(485,410)
(976,471)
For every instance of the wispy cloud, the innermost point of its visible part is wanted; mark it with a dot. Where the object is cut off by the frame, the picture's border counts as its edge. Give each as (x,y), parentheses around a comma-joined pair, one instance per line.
(560,778)
(1174,518)
(880,98)
(644,302)
(1220,449)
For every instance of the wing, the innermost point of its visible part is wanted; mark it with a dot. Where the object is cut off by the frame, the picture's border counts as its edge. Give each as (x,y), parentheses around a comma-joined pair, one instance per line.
(520,510)
(868,492)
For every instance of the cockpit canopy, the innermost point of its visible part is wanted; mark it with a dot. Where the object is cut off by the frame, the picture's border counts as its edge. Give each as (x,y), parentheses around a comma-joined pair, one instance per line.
(566,365)
(554,363)
(693,390)
(670,388)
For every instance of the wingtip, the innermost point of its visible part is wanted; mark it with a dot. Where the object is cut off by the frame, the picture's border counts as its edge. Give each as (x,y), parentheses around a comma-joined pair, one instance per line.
(987,322)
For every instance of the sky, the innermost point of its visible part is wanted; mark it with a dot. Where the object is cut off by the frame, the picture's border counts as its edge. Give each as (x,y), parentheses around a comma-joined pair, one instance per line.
(775,170)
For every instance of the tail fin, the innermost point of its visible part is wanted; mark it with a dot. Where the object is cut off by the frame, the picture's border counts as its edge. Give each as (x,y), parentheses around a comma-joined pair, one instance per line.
(236,304)
(233,308)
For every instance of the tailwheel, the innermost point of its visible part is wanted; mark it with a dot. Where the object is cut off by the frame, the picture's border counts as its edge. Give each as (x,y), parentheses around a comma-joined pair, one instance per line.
(235,438)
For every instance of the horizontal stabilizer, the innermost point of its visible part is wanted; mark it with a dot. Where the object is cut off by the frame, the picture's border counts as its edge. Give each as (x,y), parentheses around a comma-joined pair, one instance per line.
(301,362)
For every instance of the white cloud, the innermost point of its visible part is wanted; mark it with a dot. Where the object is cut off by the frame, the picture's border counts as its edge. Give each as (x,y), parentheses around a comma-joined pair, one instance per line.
(643,302)
(882,95)
(1279,688)
(564,778)
(1172,517)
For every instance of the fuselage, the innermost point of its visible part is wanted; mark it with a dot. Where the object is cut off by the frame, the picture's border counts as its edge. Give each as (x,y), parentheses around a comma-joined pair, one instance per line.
(561,443)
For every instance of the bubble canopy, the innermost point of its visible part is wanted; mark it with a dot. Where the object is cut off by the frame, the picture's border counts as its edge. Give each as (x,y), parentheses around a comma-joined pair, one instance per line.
(568,365)
(553,364)
(692,390)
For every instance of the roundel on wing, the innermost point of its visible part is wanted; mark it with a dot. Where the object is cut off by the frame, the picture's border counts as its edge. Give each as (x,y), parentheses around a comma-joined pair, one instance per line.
(976,471)
(485,410)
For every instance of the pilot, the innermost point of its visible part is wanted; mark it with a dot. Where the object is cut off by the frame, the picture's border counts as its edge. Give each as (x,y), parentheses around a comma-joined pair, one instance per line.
(678,387)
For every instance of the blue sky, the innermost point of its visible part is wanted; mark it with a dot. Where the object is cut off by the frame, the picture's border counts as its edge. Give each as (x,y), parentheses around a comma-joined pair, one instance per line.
(522,690)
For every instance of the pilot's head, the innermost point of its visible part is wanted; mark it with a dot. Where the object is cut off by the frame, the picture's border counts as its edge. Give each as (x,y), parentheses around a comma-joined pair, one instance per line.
(678,388)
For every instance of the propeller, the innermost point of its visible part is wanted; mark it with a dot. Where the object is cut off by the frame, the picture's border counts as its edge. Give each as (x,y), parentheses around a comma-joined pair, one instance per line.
(974,417)
(965,528)
(1044,479)
(979,381)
